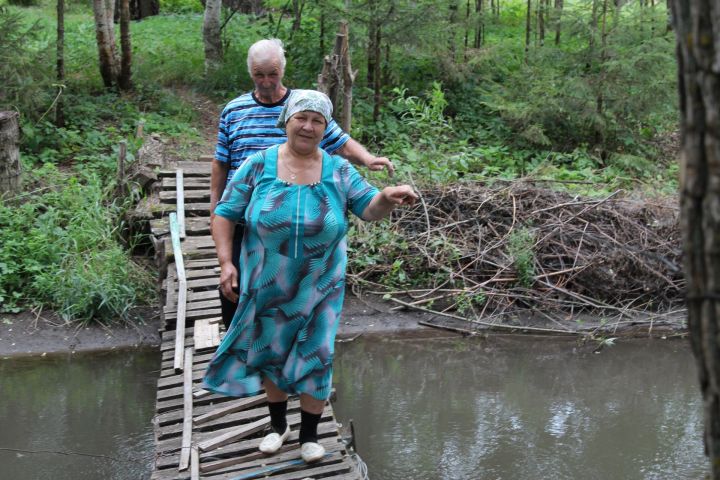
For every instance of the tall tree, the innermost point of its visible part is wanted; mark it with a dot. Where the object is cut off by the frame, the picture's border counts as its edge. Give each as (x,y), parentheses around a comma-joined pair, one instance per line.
(103,11)
(125,79)
(480,27)
(60,53)
(697,26)
(211,35)
(528,16)
(540,12)
(558,16)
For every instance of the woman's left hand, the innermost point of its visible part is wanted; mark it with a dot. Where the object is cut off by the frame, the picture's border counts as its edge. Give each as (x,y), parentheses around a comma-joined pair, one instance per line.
(400,195)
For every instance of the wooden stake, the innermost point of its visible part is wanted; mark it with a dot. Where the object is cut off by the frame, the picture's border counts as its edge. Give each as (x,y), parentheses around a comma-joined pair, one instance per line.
(180,201)
(187,411)
(122,155)
(182,293)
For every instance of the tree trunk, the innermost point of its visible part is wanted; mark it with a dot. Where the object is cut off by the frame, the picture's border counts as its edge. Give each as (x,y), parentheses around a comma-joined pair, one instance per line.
(125,79)
(541,22)
(452,20)
(322,34)
(558,17)
(60,45)
(467,28)
(528,16)
(698,44)
(377,86)
(372,35)
(211,36)
(10,167)
(297,14)
(479,33)
(105,36)
(600,99)
(348,79)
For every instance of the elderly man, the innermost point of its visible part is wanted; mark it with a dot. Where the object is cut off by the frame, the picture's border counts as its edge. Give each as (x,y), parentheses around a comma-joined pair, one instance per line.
(247,125)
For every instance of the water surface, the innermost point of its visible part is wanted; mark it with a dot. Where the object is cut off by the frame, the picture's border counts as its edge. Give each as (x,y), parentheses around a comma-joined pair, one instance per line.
(99,405)
(522,408)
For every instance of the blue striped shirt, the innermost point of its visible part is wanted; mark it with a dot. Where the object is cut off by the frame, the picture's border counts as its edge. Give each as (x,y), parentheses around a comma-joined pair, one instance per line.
(248,126)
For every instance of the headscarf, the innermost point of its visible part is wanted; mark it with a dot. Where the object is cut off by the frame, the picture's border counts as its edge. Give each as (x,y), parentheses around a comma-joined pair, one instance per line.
(305,100)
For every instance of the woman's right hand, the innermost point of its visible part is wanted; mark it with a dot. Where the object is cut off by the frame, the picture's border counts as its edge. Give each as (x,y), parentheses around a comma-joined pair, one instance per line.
(229,281)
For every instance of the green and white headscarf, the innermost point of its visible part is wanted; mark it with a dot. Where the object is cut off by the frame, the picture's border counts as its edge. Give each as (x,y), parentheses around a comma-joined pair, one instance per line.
(303,101)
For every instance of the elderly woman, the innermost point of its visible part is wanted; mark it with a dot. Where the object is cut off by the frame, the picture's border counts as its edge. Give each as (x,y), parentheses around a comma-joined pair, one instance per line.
(294,199)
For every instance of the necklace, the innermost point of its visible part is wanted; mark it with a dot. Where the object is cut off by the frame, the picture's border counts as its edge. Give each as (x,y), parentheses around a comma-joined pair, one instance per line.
(293,173)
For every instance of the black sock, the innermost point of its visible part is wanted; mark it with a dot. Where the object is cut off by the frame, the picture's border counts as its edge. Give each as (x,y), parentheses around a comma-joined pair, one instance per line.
(278,412)
(308,426)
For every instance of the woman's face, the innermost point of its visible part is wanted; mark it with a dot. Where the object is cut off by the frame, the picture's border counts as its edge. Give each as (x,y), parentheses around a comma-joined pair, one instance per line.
(305,130)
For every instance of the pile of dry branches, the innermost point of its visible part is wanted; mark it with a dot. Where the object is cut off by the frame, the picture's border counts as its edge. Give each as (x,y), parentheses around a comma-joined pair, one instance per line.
(493,250)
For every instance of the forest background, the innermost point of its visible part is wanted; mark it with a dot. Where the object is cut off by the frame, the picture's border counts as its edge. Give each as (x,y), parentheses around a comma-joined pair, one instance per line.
(578,92)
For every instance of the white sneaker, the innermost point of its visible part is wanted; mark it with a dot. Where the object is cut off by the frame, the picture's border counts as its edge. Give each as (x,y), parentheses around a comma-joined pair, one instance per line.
(273,441)
(312,452)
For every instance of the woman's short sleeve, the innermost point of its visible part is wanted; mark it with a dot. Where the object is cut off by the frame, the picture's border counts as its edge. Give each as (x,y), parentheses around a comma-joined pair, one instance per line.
(358,190)
(238,191)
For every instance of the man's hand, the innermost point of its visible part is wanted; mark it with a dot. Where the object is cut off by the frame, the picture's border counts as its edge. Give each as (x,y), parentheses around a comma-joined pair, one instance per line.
(378,163)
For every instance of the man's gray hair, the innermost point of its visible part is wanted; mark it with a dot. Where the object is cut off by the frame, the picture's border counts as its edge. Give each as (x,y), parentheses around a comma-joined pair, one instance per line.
(265,50)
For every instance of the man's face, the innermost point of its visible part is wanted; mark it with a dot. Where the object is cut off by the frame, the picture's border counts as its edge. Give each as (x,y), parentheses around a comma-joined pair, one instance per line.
(267,75)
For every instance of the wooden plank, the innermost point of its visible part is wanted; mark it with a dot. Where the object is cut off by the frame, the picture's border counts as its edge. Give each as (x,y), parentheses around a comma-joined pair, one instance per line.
(187,412)
(250,460)
(190,305)
(168,183)
(194,463)
(237,406)
(168,456)
(182,293)
(189,170)
(196,209)
(207,334)
(196,226)
(194,196)
(196,315)
(193,248)
(202,263)
(180,201)
(333,463)
(234,435)
(202,295)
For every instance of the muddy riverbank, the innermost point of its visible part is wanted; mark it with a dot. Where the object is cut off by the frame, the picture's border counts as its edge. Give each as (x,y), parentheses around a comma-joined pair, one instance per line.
(29,334)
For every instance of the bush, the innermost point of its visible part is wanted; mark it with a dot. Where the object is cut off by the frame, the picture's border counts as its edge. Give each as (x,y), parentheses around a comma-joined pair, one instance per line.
(60,249)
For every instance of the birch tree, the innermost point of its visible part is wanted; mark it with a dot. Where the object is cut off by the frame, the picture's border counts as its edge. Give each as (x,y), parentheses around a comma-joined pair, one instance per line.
(211,36)
(103,11)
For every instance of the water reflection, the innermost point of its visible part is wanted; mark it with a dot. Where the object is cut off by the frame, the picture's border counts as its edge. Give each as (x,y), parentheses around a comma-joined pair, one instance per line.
(98,405)
(521,408)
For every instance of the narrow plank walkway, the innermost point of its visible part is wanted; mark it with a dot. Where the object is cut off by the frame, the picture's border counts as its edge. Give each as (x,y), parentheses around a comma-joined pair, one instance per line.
(199,435)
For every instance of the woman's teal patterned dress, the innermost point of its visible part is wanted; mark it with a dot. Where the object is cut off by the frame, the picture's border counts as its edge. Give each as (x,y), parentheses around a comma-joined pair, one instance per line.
(292,276)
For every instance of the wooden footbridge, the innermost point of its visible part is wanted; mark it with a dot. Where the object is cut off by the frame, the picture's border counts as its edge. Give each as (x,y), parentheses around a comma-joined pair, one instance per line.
(199,435)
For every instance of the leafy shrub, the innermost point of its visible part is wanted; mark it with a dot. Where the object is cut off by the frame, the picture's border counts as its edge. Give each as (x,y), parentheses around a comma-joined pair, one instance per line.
(60,249)
(520,249)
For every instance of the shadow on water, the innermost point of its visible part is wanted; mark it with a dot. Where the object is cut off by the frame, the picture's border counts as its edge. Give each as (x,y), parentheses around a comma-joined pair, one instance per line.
(95,404)
(522,408)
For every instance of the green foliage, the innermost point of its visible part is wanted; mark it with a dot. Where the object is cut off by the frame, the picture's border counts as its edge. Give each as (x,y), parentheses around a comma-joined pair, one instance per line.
(25,64)
(520,248)
(181,6)
(60,249)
